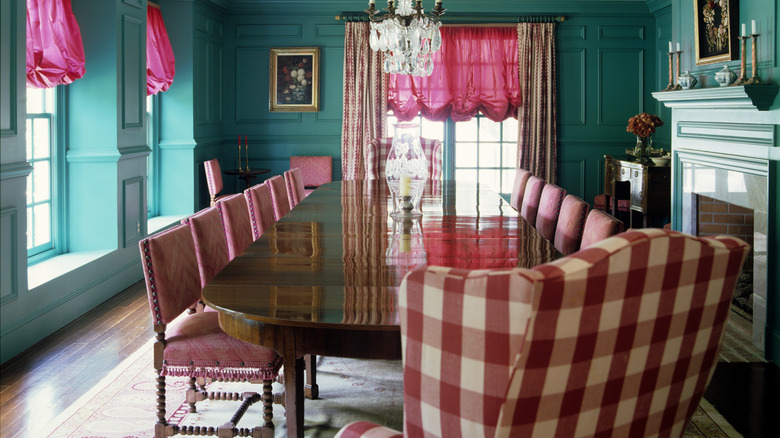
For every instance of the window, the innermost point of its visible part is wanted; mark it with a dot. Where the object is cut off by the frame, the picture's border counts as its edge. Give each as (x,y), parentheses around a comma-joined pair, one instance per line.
(41,155)
(152,176)
(478,150)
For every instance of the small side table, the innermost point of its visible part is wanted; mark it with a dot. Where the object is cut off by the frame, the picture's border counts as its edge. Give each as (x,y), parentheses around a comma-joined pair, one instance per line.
(246,175)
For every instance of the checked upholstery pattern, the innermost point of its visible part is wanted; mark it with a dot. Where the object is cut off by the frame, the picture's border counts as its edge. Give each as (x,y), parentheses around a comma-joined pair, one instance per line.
(379,148)
(619,339)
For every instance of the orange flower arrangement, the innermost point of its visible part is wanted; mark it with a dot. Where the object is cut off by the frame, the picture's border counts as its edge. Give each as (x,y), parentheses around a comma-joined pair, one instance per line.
(643,125)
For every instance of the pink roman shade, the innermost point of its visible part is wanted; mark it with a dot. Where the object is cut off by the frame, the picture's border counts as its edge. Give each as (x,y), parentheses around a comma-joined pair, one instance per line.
(475,70)
(55,53)
(160,63)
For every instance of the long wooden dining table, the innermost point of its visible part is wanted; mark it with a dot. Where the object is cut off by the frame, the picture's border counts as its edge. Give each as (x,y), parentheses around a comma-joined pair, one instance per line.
(324,279)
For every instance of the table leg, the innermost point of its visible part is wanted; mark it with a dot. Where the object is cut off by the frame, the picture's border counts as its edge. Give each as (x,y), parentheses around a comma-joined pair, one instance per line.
(293,386)
(311,389)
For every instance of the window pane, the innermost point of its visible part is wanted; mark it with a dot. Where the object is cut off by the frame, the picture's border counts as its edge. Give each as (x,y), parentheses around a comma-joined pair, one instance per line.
(507,180)
(489,130)
(509,155)
(489,155)
(465,174)
(41,184)
(42,224)
(29,227)
(35,100)
(510,129)
(30,188)
(432,129)
(466,155)
(491,177)
(28,136)
(466,131)
(41,138)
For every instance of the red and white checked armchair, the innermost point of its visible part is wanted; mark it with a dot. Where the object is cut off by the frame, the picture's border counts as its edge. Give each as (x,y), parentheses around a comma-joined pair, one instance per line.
(619,339)
(378,149)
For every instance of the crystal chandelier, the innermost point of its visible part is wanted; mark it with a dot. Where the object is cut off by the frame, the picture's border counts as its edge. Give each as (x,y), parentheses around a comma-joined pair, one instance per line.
(407,35)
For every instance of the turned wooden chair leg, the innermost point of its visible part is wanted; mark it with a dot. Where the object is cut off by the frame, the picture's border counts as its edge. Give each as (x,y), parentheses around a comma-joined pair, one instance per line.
(311,390)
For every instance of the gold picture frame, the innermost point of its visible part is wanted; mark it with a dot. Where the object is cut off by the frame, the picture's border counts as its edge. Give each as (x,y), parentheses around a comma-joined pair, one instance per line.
(294,79)
(716,30)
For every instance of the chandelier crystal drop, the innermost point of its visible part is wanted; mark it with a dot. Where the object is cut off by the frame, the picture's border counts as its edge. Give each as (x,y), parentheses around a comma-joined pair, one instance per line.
(407,35)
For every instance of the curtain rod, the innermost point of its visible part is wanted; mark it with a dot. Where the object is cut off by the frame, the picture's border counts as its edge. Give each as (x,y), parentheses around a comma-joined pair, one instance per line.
(154,5)
(361,17)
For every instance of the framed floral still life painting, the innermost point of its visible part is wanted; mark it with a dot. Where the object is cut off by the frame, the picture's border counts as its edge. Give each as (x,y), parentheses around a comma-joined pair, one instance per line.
(295,79)
(716,30)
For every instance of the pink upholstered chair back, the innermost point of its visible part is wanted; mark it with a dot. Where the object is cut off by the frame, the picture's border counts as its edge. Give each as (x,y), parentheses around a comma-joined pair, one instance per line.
(624,336)
(571,222)
(170,272)
(379,148)
(279,196)
(211,249)
(213,178)
(261,208)
(235,220)
(598,226)
(518,189)
(315,170)
(531,198)
(549,210)
(295,190)
(476,320)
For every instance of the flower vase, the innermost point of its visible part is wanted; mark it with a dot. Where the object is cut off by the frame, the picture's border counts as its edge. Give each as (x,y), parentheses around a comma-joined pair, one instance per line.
(406,170)
(642,149)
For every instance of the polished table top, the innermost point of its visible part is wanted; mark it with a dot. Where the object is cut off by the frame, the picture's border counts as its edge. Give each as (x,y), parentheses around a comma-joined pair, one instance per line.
(337,259)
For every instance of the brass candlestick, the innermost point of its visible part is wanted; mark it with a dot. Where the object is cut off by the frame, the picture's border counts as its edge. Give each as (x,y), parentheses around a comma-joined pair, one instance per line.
(753,65)
(742,79)
(677,71)
(246,149)
(670,87)
(239,153)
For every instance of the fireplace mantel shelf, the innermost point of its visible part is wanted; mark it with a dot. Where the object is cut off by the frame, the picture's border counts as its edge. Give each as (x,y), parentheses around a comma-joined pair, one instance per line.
(758,97)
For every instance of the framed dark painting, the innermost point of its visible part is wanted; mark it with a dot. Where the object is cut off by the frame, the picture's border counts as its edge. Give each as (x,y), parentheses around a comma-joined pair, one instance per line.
(295,79)
(716,30)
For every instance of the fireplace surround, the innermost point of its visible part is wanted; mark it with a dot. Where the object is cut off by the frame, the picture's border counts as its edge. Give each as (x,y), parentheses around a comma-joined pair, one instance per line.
(725,147)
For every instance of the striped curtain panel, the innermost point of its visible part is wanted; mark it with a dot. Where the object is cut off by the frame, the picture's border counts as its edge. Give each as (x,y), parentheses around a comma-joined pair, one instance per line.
(537,142)
(365,100)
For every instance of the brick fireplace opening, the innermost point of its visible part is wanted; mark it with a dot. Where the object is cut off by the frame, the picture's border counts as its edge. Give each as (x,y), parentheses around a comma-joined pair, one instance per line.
(717,217)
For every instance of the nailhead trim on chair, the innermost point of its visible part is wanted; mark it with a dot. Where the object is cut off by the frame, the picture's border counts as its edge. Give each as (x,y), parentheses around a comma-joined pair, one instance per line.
(252,214)
(151,280)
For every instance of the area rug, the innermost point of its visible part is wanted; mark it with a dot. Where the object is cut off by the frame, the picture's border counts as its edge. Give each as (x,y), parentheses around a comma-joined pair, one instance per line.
(122,404)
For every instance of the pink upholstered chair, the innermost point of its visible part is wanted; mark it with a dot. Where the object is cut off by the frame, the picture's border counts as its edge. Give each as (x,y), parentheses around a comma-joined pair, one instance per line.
(378,149)
(549,209)
(619,339)
(316,170)
(531,198)
(295,190)
(211,249)
(598,226)
(278,196)
(235,219)
(571,222)
(518,190)
(194,345)
(213,179)
(261,209)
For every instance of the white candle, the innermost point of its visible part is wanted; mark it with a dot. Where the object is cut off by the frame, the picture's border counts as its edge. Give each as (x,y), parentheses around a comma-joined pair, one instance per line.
(371,2)
(670,47)
(753,26)
(438,2)
(404,185)
(406,242)
(744,29)
(678,47)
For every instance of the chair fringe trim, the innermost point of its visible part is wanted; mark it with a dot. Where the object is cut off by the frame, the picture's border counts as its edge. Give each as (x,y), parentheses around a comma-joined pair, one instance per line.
(235,372)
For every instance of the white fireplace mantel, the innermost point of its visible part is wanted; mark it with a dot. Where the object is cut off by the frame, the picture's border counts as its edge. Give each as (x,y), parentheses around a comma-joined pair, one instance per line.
(758,97)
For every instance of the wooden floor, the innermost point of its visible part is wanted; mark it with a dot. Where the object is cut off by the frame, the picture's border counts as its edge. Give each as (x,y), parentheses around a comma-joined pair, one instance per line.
(38,384)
